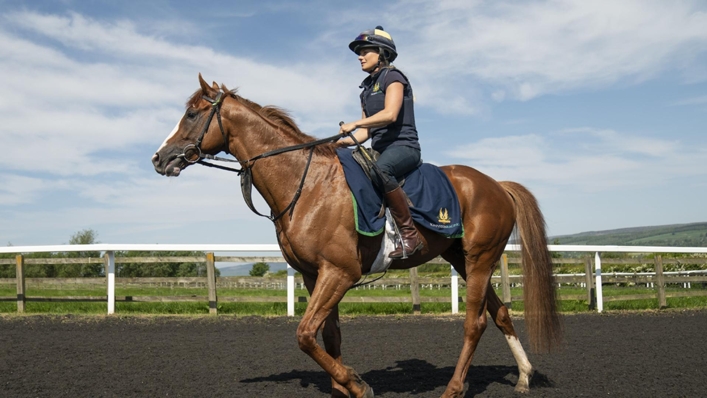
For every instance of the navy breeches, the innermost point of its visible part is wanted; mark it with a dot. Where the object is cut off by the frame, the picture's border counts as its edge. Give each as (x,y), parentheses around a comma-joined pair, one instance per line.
(395,162)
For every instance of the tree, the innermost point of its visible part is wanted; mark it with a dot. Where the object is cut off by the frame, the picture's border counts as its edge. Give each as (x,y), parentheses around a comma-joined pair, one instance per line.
(83,237)
(132,270)
(7,270)
(259,269)
(556,254)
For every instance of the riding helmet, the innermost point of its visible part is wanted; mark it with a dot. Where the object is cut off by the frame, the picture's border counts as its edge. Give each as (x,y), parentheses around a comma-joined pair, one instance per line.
(375,38)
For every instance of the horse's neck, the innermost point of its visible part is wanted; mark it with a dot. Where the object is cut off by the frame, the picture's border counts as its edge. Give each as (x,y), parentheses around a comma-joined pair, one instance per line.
(277,177)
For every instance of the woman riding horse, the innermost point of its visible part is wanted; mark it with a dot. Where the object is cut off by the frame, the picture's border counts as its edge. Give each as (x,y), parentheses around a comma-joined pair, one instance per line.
(318,237)
(388,119)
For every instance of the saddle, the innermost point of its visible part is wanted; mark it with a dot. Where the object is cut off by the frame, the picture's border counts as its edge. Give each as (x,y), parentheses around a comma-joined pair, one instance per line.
(367,167)
(436,206)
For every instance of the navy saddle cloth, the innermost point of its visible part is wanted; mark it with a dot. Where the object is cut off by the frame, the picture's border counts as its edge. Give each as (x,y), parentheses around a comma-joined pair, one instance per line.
(435,203)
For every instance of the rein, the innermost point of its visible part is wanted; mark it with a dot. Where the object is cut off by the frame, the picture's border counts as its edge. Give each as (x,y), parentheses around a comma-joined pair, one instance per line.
(245,171)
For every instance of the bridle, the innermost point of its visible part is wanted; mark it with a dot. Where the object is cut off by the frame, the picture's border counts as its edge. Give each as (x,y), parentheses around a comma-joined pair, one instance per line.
(192,154)
(195,149)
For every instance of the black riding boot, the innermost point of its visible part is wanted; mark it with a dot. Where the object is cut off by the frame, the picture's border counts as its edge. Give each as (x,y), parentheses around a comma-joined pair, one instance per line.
(398,205)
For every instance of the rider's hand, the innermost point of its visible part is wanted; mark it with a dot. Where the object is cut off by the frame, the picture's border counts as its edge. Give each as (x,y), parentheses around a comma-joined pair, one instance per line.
(347,128)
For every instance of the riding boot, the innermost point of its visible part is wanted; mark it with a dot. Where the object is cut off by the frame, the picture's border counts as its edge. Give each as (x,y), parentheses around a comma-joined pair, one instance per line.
(398,205)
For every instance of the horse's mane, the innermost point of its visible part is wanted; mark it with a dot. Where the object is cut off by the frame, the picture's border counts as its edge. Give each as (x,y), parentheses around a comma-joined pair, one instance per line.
(274,114)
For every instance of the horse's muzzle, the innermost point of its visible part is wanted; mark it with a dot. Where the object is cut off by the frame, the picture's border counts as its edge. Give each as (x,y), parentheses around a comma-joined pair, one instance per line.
(170,168)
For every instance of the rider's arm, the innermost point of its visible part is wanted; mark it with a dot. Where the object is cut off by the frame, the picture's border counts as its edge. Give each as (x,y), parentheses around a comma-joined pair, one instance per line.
(389,114)
(361,134)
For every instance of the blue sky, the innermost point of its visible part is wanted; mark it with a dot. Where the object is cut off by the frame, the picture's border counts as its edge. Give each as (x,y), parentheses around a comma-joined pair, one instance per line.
(597,107)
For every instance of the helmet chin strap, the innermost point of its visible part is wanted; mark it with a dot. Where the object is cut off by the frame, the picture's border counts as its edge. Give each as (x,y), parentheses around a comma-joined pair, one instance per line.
(379,65)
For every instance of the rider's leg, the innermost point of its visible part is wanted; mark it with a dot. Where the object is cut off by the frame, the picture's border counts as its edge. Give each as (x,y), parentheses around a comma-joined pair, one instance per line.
(395,162)
(409,239)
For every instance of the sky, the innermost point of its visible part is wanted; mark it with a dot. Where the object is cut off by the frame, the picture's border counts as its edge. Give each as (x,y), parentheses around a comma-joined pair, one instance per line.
(599,108)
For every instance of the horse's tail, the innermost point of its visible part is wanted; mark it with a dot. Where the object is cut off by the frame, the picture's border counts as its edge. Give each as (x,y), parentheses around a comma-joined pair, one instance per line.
(544,324)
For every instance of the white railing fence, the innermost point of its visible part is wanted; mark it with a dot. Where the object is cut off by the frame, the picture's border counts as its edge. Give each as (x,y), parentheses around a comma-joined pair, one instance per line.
(110,249)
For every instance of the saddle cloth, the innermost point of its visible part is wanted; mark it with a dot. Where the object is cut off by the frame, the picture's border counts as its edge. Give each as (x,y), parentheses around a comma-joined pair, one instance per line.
(435,205)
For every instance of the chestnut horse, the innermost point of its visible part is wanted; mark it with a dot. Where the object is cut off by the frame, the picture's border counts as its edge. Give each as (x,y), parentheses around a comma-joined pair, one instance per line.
(318,237)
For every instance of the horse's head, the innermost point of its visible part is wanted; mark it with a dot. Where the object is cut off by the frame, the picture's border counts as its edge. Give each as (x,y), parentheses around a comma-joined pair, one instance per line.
(196,132)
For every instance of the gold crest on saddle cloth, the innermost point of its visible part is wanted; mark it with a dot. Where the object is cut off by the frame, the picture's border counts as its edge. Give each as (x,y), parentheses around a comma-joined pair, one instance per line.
(443,216)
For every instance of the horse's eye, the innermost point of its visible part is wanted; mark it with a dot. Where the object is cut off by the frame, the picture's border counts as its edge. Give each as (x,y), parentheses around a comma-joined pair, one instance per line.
(191,114)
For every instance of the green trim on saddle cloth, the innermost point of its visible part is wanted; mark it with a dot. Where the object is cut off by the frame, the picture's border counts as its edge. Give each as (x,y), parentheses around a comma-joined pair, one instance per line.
(461,235)
(355,207)
(380,231)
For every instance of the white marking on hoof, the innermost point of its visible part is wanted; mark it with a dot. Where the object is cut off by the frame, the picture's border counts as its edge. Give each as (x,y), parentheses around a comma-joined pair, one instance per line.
(525,369)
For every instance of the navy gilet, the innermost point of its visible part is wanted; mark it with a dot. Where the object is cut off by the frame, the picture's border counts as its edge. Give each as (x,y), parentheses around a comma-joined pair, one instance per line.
(401,132)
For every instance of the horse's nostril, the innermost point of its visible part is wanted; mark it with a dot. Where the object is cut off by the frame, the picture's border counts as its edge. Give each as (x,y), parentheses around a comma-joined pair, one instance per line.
(155,158)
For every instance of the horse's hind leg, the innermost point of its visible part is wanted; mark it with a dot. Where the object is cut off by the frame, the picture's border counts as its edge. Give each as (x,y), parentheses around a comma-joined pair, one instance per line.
(479,268)
(500,316)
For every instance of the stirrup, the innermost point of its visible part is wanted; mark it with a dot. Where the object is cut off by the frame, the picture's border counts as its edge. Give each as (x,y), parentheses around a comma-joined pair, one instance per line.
(405,254)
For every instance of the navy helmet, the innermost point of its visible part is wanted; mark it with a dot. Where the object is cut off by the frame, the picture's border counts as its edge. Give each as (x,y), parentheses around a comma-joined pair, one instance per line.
(377,38)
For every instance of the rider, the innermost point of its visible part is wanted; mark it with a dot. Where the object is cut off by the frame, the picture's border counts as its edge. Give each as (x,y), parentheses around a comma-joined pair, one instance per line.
(389,120)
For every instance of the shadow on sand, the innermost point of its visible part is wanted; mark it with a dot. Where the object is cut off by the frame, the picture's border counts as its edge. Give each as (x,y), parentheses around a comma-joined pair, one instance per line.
(413,377)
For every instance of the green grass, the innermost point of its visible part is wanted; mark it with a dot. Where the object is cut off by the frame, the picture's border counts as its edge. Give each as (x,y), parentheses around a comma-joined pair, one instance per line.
(278,309)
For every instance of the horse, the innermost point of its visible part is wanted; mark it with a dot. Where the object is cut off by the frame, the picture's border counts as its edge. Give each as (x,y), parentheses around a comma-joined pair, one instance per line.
(307,190)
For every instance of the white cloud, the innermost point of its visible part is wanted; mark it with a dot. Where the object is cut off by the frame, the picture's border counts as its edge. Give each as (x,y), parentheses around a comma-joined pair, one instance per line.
(16,189)
(182,209)
(108,87)
(528,49)
(584,159)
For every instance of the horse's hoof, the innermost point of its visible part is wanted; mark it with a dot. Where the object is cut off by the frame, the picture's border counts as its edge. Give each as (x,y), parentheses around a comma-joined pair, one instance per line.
(368,392)
(522,389)
(340,394)
(523,385)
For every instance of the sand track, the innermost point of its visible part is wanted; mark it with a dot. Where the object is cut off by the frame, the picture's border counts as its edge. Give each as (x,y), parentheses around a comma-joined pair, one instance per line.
(626,355)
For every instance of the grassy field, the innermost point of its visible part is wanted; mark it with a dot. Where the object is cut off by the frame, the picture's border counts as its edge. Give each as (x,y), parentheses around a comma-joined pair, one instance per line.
(281,308)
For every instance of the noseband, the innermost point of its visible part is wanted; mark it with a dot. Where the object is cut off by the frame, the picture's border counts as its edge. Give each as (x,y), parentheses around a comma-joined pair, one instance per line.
(192,154)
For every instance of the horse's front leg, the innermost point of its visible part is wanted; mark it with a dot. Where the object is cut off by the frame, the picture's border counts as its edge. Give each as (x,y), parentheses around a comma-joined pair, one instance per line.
(331,285)
(331,334)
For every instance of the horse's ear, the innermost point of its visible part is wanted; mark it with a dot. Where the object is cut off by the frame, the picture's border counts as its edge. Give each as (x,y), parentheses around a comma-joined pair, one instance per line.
(205,87)
(214,86)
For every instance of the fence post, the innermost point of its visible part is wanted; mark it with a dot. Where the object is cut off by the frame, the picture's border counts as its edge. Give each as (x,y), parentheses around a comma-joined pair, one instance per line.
(415,291)
(600,297)
(591,299)
(662,302)
(505,282)
(20,278)
(211,283)
(290,291)
(455,291)
(109,261)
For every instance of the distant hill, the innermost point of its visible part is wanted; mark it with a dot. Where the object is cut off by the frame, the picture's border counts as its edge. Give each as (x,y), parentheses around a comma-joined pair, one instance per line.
(681,235)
